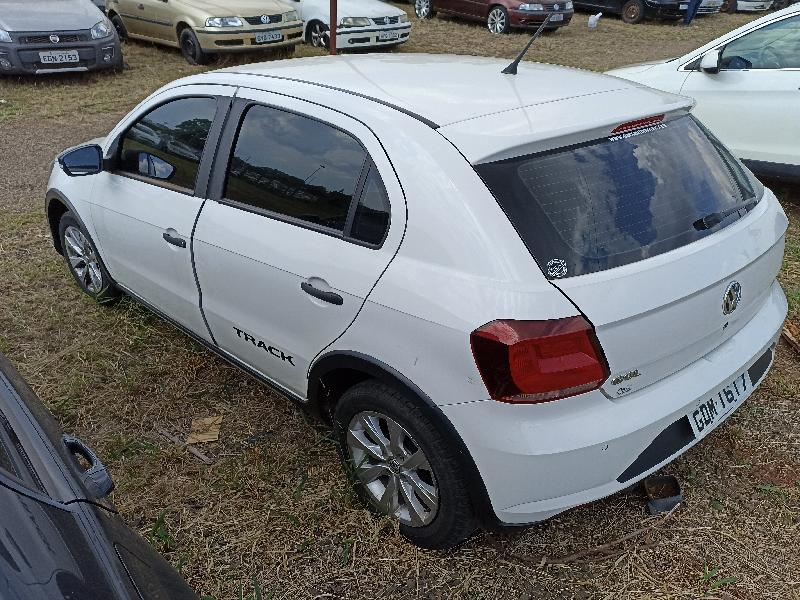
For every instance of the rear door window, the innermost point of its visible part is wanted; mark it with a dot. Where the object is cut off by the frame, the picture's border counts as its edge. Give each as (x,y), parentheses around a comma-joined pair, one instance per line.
(295,167)
(620,199)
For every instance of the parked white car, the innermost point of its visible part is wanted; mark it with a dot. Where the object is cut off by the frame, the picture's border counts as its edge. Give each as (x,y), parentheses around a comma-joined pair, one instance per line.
(509,294)
(747,88)
(732,6)
(362,23)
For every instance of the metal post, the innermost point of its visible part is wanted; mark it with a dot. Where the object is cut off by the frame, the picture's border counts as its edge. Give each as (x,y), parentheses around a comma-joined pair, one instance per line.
(334,21)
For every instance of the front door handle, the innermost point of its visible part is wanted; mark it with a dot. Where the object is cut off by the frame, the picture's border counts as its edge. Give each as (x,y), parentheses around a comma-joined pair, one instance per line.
(331,297)
(174,240)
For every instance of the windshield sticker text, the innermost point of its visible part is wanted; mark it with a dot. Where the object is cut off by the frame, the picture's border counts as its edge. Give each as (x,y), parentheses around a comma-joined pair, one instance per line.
(624,136)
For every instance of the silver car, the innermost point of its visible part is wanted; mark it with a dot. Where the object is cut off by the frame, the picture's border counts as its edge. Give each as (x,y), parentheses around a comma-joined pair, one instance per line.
(56,36)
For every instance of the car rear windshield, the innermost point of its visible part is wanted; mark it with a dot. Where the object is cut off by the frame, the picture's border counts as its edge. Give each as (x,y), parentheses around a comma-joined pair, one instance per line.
(620,199)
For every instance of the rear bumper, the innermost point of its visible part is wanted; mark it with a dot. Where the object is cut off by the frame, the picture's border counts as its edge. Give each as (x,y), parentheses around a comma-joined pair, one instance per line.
(526,19)
(674,10)
(539,460)
(747,6)
(223,40)
(19,58)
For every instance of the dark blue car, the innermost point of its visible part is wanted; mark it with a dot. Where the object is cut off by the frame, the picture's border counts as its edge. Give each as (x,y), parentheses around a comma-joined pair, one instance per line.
(60,537)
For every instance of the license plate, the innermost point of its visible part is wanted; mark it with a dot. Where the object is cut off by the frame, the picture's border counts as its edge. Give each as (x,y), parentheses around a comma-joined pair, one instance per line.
(384,36)
(711,411)
(55,57)
(268,36)
(683,6)
(556,18)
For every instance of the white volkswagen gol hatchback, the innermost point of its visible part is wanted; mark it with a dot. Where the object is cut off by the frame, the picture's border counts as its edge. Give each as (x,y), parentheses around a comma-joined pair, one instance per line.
(511,294)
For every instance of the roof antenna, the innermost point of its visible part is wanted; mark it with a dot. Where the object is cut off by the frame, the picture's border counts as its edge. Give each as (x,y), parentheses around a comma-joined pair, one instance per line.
(512,68)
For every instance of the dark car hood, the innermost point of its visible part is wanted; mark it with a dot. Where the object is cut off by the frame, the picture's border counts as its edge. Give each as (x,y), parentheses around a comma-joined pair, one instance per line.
(48,15)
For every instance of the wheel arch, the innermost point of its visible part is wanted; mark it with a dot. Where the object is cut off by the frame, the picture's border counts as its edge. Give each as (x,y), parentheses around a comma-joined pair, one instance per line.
(56,204)
(333,373)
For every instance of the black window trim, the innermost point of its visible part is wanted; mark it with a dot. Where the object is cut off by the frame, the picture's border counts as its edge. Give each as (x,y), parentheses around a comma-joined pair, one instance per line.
(206,161)
(224,155)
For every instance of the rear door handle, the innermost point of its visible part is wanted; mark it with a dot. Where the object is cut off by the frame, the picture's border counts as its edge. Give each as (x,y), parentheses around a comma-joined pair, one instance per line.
(174,240)
(331,297)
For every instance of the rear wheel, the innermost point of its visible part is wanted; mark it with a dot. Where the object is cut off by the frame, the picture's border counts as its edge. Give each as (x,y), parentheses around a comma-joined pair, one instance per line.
(633,11)
(497,20)
(424,9)
(729,6)
(402,466)
(190,48)
(84,262)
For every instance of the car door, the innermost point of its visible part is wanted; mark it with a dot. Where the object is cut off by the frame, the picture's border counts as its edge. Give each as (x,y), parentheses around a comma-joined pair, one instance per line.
(145,206)
(133,13)
(158,15)
(45,545)
(753,103)
(300,227)
(60,537)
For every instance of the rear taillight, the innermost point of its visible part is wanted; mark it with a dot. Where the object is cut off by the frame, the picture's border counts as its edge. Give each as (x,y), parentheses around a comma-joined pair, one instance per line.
(538,361)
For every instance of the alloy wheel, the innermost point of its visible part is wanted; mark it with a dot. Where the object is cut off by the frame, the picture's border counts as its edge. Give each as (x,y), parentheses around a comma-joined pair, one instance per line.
(83,260)
(319,36)
(394,470)
(422,8)
(496,21)
(632,13)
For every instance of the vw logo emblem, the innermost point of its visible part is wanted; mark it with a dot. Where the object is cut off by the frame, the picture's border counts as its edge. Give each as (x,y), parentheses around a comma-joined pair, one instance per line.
(55,39)
(264,19)
(733,294)
(385,20)
(555,6)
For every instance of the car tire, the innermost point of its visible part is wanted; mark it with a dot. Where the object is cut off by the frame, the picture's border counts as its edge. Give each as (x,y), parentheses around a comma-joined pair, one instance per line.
(84,262)
(780,4)
(497,20)
(318,35)
(190,48)
(424,9)
(729,6)
(633,12)
(122,31)
(389,445)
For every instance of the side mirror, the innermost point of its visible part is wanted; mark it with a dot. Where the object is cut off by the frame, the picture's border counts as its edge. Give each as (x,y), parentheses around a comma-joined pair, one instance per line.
(710,62)
(86,160)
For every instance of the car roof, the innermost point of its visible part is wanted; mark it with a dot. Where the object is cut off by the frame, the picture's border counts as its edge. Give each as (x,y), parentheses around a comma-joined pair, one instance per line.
(439,89)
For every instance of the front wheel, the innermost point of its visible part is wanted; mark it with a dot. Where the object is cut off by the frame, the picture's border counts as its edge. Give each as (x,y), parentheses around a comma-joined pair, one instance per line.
(402,466)
(116,21)
(497,20)
(424,9)
(84,262)
(633,11)
(729,6)
(318,35)
(191,50)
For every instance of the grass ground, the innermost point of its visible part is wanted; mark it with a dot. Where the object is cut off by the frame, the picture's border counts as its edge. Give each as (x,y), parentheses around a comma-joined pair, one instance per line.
(272,517)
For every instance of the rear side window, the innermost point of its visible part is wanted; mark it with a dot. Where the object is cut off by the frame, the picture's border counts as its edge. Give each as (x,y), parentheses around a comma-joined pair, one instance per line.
(295,167)
(617,200)
(166,145)
(371,220)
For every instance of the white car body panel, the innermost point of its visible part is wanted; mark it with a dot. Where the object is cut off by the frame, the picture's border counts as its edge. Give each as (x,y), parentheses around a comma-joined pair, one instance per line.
(753,6)
(452,262)
(755,112)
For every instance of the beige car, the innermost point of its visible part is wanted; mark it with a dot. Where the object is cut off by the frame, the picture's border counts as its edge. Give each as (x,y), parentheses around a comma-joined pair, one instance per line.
(201,28)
